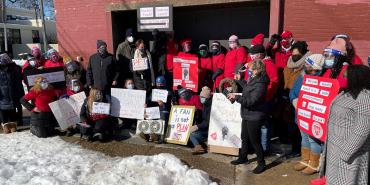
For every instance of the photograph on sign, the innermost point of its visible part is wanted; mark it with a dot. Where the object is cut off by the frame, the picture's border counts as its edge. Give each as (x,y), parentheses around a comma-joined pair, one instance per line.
(179,124)
(159,95)
(152,113)
(127,103)
(150,127)
(101,108)
(139,64)
(185,72)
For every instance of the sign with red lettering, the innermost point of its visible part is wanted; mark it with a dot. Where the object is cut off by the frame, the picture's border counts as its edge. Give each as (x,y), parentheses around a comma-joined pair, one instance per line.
(179,124)
(313,105)
(185,72)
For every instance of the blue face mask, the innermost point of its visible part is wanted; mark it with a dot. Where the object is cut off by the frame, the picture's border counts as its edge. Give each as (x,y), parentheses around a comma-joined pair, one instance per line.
(329,63)
(250,72)
(202,100)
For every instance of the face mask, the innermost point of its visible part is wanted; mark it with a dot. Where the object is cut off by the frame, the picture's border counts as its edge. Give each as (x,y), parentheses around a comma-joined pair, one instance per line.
(285,43)
(44,85)
(102,50)
(329,63)
(33,63)
(215,51)
(99,96)
(130,39)
(202,53)
(76,88)
(202,100)
(233,45)
(295,58)
(130,86)
(250,72)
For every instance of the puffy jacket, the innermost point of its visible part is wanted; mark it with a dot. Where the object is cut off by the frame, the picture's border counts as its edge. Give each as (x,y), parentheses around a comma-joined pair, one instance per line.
(218,66)
(234,57)
(101,71)
(253,97)
(11,88)
(170,53)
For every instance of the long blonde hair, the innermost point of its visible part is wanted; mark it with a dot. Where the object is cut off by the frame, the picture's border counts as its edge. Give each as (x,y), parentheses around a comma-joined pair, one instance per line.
(37,86)
(92,98)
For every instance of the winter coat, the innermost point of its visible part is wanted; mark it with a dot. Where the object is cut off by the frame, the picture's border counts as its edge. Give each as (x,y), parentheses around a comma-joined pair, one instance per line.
(234,57)
(170,53)
(101,71)
(11,88)
(143,79)
(341,79)
(183,54)
(79,74)
(40,99)
(205,73)
(293,70)
(281,59)
(253,97)
(51,64)
(206,115)
(218,66)
(124,54)
(348,140)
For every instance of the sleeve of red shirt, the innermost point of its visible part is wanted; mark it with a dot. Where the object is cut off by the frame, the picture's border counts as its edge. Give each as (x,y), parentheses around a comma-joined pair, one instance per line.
(241,56)
(31,95)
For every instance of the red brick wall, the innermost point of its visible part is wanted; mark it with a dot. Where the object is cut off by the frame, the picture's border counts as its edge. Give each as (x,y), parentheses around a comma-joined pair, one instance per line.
(316,21)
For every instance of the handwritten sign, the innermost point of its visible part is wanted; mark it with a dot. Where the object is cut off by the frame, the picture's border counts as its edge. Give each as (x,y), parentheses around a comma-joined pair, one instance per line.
(179,124)
(159,94)
(185,72)
(101,108)
(76,101)
(127,103)
(139,64)
(152,113)
(313,105)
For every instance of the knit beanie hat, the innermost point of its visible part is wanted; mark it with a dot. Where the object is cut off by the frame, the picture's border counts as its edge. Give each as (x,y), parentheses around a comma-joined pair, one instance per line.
(316,61)
(100,43)
(129,32)
(206,92)
(258,39)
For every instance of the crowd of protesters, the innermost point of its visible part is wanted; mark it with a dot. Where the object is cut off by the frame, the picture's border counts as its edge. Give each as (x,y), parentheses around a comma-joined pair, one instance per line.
(267,76)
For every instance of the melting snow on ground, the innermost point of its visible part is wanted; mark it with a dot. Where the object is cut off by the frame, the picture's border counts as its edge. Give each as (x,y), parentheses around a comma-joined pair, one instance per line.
(25,159)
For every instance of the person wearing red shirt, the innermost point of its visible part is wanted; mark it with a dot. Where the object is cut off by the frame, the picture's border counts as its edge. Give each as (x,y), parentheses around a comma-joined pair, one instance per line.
(172,50)
(37,60)
(54,59)
(218,64)
(186,45)
(236,55)
(42,119)
(188,99)
(205,73)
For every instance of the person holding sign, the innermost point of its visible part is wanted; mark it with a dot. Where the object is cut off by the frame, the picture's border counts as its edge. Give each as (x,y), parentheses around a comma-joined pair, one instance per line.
(142,67)
(186,45)
(252,112)
(94,126)
(42,119)
(310,147)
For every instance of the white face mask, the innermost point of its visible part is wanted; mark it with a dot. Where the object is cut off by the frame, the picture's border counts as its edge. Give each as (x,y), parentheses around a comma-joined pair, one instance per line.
(33,63)
(130,86)
(130,39)
(76,88)
(44,85)
(253,57)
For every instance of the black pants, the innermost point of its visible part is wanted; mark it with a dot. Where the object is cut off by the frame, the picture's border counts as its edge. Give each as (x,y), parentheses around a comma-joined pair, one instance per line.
(8,116)
(43,124)
(251,132)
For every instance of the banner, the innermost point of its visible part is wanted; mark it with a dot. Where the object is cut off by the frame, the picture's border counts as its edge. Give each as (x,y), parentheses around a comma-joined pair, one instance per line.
(179,124)
(101,108)
(127,103)
(313,105)
(225,123)
(67,111)
(159,94)
(185,72)
(152,113)
(55,76)
(139,64)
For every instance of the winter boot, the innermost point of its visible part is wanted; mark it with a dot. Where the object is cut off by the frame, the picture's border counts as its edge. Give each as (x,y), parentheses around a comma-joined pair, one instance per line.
(260,168)
(154,138)
(12,126)
(6,128)
(198,149)
(305,155)
(313,165)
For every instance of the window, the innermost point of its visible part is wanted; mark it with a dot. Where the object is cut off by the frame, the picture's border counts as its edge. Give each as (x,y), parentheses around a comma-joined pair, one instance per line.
(35,36)
(13,36)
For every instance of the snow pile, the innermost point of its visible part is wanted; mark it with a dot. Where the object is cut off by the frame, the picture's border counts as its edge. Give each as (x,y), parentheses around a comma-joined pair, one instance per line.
(25,159)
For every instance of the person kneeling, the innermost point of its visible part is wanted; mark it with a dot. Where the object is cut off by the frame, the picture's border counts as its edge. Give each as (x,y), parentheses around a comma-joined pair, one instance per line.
(42,119)
(94,126)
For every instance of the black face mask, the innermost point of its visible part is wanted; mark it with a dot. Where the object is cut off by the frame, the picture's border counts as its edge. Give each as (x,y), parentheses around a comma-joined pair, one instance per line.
(295,58)
(102,51)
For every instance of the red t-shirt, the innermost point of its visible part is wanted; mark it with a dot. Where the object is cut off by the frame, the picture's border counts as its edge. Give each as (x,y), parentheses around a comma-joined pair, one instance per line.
(170,53)
(41,99)
(233,57)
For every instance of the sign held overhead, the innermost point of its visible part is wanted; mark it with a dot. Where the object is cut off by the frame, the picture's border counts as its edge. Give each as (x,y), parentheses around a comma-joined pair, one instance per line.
(155,17)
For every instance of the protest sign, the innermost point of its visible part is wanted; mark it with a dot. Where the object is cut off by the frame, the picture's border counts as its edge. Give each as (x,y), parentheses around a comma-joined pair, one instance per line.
(55,76)
(179,124)
(127,103)
(185,72)
(67,111)
(313,105)
(159,94)
(101,108)
(152,113)
(224,134)
(139,64)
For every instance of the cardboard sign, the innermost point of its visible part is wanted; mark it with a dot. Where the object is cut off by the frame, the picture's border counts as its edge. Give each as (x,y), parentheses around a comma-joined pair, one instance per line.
(127,103)
(159,94)
(152,113)
(313,105)
(139,64)
(150,127)
(67,111)
(225,126)
(179,124)
(154,17)
(101,108)
(185,72)
(55,76)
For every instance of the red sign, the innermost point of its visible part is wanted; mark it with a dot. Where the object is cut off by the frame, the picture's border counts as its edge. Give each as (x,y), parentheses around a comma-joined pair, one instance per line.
(313,105)
(185,72)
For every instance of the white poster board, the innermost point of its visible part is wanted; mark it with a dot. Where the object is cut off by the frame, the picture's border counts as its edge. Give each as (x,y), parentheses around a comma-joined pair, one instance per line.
(152,113)
(225,123)
(101,108)
(139,64)
(179,124)
(52,77)
(67,111)
(127,103)
(159,94)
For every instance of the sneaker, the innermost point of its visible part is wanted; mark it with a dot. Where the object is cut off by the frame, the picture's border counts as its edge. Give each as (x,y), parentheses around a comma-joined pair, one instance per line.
(239,161)
(98,136)
(260,168)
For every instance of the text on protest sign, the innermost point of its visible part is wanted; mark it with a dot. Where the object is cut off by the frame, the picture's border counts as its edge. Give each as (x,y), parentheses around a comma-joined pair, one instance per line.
(159,95)
(179,124)
(127,103)
(139,64)
(185,72)
(313,105)
(152,113)
(101,108)
(55,76)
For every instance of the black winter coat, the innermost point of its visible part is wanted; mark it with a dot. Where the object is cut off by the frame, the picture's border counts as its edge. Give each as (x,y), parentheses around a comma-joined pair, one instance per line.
(101,71)
(253,98)
(11,88)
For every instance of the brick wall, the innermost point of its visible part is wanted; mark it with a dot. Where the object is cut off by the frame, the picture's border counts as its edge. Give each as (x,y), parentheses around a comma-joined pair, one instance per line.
(316,21)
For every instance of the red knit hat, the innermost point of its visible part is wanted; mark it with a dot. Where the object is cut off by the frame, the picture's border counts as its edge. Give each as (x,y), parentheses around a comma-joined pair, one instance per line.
(258,39)
(188,40)
(286,34)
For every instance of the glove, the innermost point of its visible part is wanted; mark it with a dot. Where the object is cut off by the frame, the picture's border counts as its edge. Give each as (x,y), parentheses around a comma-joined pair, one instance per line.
(193,128)
(217,73)
(274,38)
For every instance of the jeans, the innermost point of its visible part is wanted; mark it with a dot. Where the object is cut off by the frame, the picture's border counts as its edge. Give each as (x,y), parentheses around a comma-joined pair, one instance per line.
(251,132)
(313,144)
(266,135)
(198,137)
